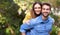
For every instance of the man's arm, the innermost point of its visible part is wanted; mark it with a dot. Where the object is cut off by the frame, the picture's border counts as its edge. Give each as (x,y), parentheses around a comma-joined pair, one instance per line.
(26,26)
(53,24)
(23,29)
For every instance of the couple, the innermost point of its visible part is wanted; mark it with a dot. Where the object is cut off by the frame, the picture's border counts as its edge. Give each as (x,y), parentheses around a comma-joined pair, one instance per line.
(41,24)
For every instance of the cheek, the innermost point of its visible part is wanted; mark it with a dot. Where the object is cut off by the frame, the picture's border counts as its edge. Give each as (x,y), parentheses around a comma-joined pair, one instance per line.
(48,11)
(35,9)
(43,11)
(39,9)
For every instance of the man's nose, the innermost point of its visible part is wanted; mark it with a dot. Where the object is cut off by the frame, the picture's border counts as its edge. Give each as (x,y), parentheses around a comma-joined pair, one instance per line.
(45,10)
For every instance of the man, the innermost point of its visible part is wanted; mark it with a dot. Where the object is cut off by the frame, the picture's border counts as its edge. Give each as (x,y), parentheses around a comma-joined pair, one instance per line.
(41,25)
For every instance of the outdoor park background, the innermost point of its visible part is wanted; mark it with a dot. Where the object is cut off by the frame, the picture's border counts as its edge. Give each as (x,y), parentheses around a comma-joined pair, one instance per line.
(12,12)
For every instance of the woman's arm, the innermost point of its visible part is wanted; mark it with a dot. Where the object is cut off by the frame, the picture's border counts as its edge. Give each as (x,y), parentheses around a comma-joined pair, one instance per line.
(27,17)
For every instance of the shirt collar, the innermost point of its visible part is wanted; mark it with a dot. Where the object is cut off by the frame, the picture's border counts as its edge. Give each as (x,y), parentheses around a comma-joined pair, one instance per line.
(41,20)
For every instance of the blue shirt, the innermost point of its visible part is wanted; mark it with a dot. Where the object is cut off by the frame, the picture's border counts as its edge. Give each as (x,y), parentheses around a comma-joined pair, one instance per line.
(38,26)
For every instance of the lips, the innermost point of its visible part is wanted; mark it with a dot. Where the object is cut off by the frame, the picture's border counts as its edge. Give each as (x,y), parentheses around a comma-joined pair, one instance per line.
(45,12)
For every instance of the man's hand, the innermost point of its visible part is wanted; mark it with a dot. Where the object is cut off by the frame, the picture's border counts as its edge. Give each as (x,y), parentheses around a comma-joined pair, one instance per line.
(23,33)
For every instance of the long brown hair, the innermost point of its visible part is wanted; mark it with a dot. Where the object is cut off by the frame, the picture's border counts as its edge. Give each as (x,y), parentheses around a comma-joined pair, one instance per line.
(33,11)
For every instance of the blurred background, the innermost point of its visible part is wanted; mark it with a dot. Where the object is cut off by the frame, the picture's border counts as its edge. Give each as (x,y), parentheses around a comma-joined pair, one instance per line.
(12,12)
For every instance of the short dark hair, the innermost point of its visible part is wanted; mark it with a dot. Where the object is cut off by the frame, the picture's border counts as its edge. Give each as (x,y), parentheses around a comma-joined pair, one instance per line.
(47,5)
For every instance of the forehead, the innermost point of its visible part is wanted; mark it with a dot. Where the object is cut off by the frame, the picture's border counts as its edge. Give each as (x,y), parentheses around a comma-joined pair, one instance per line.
(45,6)
(37,5)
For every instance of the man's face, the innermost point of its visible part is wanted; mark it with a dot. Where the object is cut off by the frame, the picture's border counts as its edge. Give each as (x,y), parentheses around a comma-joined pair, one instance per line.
(45,10)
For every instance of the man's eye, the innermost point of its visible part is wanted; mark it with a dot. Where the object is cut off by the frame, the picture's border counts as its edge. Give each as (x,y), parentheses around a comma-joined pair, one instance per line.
(47,9)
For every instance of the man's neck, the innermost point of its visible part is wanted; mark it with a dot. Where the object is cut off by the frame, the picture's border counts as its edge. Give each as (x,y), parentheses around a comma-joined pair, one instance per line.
(44,18)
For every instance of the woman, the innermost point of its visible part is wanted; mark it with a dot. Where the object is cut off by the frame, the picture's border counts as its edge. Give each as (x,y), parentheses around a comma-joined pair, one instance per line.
(35,12)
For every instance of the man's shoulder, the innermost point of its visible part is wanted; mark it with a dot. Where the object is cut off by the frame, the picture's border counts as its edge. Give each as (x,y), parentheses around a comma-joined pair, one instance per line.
(51,19)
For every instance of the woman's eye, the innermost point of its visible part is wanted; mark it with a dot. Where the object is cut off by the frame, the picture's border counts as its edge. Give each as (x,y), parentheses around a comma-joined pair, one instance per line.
(35,8)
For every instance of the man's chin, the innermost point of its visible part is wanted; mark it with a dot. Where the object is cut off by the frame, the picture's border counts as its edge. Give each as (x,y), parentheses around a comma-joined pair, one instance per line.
(45,15)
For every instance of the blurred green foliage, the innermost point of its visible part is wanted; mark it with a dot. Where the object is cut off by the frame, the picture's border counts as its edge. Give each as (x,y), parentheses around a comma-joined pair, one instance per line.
(12,12)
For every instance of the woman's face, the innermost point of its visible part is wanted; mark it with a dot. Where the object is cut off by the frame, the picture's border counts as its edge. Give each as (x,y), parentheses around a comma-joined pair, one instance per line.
(37,8)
